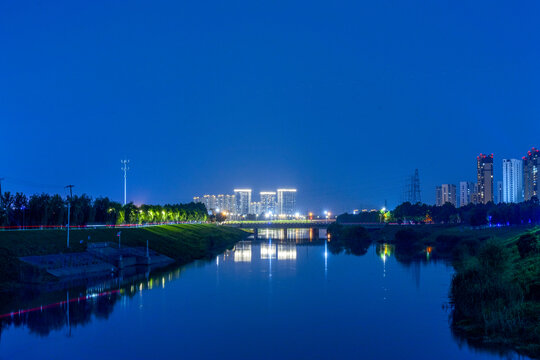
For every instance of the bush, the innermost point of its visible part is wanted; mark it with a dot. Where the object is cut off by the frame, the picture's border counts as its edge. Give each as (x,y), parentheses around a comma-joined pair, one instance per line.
(492,258)
(527,245)
(483,294)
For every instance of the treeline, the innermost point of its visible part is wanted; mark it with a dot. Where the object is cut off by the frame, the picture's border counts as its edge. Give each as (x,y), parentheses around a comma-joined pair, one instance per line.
(527,212)
(363,217)
(52,210)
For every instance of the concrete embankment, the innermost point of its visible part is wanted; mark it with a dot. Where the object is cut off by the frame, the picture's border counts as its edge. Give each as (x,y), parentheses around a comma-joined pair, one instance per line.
(179,243)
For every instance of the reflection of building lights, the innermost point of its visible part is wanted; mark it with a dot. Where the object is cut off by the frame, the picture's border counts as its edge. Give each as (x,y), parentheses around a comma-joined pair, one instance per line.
(325,259)
(268,251)
(385,251)
(242,252)
(286,252)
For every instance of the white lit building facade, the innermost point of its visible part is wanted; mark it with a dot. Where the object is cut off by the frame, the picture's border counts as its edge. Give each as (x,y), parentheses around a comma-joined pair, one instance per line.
(512,180)
(243,201)
(286,202)
(268,202)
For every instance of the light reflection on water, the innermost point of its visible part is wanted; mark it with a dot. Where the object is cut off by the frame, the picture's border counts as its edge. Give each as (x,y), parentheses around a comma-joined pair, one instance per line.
(290,292)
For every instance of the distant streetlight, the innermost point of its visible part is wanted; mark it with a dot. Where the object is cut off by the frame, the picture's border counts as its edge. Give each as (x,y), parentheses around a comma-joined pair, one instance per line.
(23,208)
(69,210)
(125,168)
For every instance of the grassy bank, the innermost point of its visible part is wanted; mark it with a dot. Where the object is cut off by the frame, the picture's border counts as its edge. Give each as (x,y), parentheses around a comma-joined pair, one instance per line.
(449,242)
(183,243)
(496,294)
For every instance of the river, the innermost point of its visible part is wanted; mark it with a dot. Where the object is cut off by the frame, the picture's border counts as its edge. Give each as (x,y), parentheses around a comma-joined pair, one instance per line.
(265,299)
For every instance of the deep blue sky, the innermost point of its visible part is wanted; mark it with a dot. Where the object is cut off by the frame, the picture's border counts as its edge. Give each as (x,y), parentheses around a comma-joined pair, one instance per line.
(341,100)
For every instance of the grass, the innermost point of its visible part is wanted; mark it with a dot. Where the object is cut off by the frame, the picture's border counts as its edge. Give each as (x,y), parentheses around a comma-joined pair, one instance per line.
(496,294)
(183,243)
(449,242)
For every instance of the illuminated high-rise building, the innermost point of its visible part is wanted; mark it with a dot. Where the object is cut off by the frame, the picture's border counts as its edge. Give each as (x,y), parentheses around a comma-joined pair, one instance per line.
(208,200)
(466,189)
(215,203)
(226,203)
(268,202)
(446,193)
(499,191)
(531,167)
(286,202)
(243,201)
(512,188)
(256,208)
(485,178)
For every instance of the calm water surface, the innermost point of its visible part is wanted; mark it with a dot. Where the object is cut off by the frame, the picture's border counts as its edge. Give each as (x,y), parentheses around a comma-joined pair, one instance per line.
(263,300)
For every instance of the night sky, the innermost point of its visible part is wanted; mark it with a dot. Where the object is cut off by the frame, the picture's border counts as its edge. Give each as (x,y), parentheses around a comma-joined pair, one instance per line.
(340,100)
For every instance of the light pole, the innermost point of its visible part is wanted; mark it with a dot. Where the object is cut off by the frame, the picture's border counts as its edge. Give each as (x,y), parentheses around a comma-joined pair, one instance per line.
(125,168)
(69,210)
(23,211)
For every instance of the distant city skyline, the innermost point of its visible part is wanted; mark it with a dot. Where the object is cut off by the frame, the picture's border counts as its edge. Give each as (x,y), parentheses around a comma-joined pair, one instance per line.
(519,182)
(281,202)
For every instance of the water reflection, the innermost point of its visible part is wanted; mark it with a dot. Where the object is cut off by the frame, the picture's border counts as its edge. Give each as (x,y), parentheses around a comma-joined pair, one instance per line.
(384,251)
(290,235)
(242,251)
(353,298)
(49,311)
(286,252)
(268,251)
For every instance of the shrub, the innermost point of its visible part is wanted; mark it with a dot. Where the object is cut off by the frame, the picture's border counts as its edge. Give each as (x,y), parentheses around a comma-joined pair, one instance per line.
(492,258)
(527,245)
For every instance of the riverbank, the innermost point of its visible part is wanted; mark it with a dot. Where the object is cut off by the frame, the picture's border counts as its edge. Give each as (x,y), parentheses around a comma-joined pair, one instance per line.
(183,243)
(448,242)
(495,294)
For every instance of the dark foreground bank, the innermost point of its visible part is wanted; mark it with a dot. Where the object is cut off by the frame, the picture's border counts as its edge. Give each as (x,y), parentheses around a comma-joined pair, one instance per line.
(183,243)
(495,292)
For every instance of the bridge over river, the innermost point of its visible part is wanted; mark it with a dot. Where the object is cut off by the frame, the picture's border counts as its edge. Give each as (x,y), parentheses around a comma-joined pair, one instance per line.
(293,224)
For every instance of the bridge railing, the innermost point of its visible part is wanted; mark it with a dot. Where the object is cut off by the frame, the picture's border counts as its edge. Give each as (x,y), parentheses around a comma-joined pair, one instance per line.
(247,222)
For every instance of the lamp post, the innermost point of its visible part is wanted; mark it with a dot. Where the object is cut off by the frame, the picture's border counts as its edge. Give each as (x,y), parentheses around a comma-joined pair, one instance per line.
(23,208)
(69,210)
